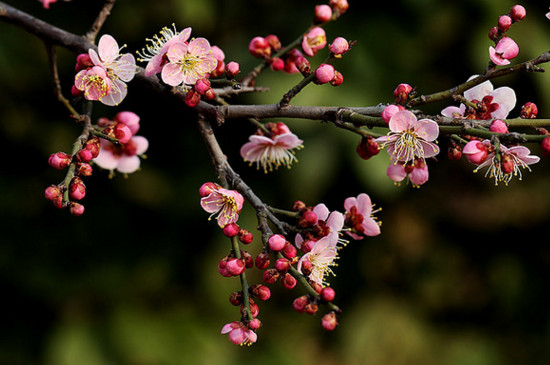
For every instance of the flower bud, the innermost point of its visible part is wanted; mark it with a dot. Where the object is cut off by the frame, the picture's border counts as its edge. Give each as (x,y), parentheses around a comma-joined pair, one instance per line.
(202,85)
(208,188)
(77,189)
(476,152)
(261,292)
(298,205)
(222,267)
(231,230)
(84,155)
(59,160)
(83,169)
(390,110)
(308,219)
(270,275)
(289,251)
(323,13)
(339,7)
(504,23)
(262,260)
(329,321)
(235,266)
(52,193)
(83,61)
(192,98)
(131,119)
(76,209)
(254,324)
(545,144)
(499,126)
(493,34)
(311,308)
(367,148)
(282,265)
(259,47)
(232,69)
(317,287)
(273,42)
(303,65)
(254,309)
(300,303)
(277,64)
(518,13)
(401,93)
(245,236)
(289,281)
(328,294)
(529,111)
(455,152)
(236,298)
(338,79)
(324,73)
(339,46)
(276,242)
(123,133)
(247,258)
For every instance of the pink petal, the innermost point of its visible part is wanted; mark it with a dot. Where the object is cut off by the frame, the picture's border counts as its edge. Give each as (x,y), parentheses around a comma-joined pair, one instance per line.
(453,111)
(497,58)
(126,67)
(401,121)
(288,140)
(128,164)
(430,149)
(427,129)
(505,97)
(107,48)
(396,172)
(171,74)
(321,211)
(116,95)
(479,91)
(106,160)
(350,203)
(177,51)
(370,227)
(199,47)
(364,205)
(142,144)
(335,221)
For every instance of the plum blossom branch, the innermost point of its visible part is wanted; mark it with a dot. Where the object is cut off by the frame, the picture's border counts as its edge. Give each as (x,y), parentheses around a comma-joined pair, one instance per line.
(101,18)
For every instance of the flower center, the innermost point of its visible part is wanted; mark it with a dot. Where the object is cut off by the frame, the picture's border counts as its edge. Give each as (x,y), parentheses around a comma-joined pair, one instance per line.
(408,147)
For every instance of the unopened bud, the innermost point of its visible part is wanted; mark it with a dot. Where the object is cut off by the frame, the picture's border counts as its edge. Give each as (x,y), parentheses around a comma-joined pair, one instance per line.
(262,260)
(259,47)
(192,98)
(76,209)
(59,160)
(289,281)
(300,303)
(367,148)
(328,294)
(270,275)
(499,126)
(261,292)
(276,242)
(504,23)
(329,321)
(529,110)
(401,93)
(77,189)
(52,193)
(245,236)
(338,78)
(231,230)
(282,265)
(235,266)
(518,13)
(232,69)
(236,298)
(323,13)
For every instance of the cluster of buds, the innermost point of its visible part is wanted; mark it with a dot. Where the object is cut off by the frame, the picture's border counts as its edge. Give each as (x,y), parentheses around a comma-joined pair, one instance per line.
(505,47)
(310,305)
(267,48)
(72,190)
(326,73)
(325,13)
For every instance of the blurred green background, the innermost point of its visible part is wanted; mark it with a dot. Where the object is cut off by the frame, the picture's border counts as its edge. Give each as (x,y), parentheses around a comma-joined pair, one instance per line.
(459,275)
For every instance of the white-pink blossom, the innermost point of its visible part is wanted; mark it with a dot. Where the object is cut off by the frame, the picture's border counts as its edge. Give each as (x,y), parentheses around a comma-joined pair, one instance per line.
(359,216)
(314,40)
(226,203)
(410,138)
(188,62)
(123,158)
(505,50)
(155,53)
(272,152)
(239,333)
(321,257)
(94,82)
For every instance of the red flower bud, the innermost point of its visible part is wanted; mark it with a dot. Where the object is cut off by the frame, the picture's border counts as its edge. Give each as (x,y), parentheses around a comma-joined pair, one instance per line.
(289,281)
(59,160)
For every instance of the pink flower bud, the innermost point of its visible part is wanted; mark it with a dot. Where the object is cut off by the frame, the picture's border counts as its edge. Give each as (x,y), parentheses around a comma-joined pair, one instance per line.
(202,85)
(222,267)
(83,169)
(282,264)
(235,266)
(300,303)
(367,148)
(401,93)
(247,258)
(262,260)
(311,308)
(498,126)
(254,324)
(83,61)
(259,47)
(339,6)
(245,236)
(208,188)
(289,251)
(308,219)
(276,242)
(475,151)
(131,119)
(338,79)
(84,155)
(545,144)
(455,152)
(76,209)
(123,133)
(390,110)
(273,42)
(59,160)
(329,321)
(261,292)
(324,73)
(236,298)
(504,23)
(493,34)
(505,50)
(277,64)
(270,275)
(77,189)
(52,193)
(303,65)
(529,111)
(232,69)
(518,13)
(339,46)
(231,230)
(93,145)
(192,98)
(323,13)
(289,281)
(328,294)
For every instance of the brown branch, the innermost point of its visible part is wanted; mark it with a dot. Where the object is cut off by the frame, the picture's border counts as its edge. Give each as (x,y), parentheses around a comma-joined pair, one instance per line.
(101,18)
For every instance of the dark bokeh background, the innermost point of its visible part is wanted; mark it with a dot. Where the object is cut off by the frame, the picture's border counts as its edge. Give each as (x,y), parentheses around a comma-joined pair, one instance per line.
(458,276)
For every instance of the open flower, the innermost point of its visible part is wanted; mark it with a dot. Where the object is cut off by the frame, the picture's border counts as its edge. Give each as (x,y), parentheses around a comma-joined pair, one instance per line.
(314,40)
(320,258)
(504,51)
(227,203)
(493,103)
(410,138)
(507,162)
(120,68)
(155,53)
(274,151)
(122,157)
(188,62)
(359,216)
(327,222)
(94,82)
(239,333)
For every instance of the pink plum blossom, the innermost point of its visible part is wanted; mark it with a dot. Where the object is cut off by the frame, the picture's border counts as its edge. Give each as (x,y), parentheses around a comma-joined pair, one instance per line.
(239,333)
(417,172)
(321,257)
(324,73)
(339,46)
(188,62)
(505,50)
(548,15)
(359,216)
(122,157)
(155,53)
(326,222)
(410,138)
(507,162)
(46,3)
(494,103)
(226,203)
(477,151)
(94,82)
(314,40)
(120,68)
(272,152)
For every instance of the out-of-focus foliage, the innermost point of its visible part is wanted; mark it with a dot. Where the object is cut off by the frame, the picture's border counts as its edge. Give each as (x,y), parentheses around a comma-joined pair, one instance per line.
(458,276)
